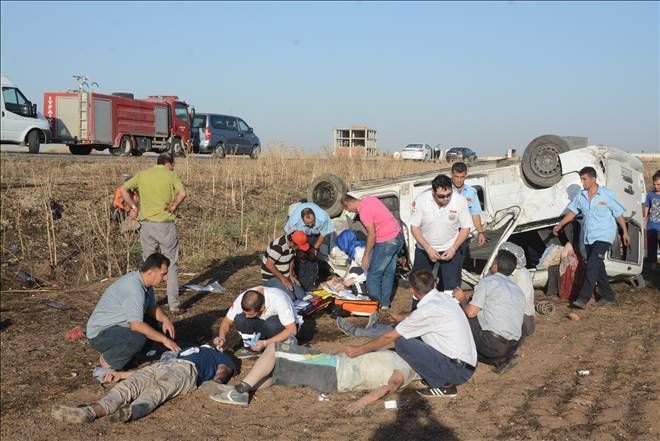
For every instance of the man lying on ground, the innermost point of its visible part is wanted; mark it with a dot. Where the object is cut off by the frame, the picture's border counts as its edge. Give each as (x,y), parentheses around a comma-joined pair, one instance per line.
(264,312)
(117,329)
(381,373)
(435,339)
(147,388)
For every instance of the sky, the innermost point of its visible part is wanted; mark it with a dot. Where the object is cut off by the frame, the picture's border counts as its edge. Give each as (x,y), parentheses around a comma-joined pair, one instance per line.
(490,75)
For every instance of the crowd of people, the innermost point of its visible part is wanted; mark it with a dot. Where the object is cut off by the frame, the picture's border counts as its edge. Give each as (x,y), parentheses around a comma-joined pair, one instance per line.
(439,341)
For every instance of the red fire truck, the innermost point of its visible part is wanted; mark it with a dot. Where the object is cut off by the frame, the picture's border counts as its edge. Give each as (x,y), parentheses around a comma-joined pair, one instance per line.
(87,120)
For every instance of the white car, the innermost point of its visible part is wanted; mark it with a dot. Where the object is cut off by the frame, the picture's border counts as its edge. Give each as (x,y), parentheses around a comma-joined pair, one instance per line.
(417,152)
(21,123)
(522,201)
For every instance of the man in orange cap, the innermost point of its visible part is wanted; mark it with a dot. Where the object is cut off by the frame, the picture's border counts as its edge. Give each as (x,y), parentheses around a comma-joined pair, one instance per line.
(278,263)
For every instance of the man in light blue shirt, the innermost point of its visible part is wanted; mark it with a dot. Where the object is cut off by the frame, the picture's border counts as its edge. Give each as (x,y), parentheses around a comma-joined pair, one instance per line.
(316,223)
(311,219)
(495,313)
(458,174)
(600,213)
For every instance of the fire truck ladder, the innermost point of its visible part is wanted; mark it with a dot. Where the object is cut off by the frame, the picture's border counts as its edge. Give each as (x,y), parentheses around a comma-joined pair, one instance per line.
(84,113)
(83,87)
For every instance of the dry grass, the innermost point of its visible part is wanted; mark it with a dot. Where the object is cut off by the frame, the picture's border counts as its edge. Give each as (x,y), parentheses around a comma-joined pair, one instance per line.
(235,206)
(650,168)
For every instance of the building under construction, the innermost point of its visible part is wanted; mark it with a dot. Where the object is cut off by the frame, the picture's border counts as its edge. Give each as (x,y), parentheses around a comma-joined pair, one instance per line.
(356,142)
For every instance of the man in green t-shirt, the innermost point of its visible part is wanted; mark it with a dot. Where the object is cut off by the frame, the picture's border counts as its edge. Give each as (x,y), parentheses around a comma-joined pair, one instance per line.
(161,193)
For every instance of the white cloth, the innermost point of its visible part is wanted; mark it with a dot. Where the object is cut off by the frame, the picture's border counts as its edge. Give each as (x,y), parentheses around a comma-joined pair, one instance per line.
(355,270)
(523,278)
(371,370)
(502,306)
(441,323)
(277,302)
(551,256)
(440,225)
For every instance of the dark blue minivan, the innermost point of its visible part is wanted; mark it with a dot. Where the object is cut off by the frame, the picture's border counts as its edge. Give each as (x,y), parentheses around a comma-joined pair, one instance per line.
(224,135)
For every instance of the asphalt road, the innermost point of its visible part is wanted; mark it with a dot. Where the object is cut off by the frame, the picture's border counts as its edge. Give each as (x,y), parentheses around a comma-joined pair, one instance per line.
(59,151)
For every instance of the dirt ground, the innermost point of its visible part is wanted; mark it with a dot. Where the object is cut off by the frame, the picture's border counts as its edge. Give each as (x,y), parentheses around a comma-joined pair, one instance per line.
(234,208)
(541,398)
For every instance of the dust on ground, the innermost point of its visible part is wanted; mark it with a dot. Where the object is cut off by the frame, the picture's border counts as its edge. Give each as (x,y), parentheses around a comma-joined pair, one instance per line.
(541,398)
(223,230)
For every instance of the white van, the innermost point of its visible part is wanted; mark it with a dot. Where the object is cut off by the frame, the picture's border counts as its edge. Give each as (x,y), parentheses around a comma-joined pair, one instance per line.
(21,123)
(521,201)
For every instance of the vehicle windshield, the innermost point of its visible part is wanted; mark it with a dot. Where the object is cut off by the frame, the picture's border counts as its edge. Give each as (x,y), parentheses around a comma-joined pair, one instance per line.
(199,122)
(413,146)
(181,111)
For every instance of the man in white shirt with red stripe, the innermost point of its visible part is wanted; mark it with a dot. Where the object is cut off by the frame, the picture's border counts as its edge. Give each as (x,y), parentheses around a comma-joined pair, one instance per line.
(440,223)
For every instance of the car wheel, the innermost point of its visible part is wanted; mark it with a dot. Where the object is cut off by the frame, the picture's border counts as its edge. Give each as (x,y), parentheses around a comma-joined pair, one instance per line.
(326,192)
(33,142)
(80,150)
(219,151)
(540,164)
(256,151)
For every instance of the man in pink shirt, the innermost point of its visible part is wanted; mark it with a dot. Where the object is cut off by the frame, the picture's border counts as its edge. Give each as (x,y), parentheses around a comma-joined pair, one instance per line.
(384,241)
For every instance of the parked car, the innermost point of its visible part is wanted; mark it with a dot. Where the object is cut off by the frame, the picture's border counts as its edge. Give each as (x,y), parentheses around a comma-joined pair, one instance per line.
(461,154)
(522,201)
(224,135)
(417,152)
(21,123)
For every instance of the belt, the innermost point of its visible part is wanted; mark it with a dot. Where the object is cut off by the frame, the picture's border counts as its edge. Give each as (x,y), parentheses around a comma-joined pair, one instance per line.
(158,222)
(500,338)
(461,363)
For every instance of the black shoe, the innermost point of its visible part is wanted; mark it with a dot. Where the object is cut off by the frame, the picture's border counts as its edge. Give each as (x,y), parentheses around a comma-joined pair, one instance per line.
(448,390)
(578,304)
(604,302)
(506,365)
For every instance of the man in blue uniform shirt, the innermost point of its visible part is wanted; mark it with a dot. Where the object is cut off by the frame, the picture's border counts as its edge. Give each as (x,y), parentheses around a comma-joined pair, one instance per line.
(600,213)
(458,174)
(316,224)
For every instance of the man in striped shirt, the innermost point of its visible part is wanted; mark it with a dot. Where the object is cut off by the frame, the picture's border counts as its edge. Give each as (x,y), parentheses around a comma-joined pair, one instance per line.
(277,264)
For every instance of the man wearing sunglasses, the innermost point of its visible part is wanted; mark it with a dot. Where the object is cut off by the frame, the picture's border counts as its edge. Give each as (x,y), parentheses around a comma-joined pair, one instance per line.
(440,223)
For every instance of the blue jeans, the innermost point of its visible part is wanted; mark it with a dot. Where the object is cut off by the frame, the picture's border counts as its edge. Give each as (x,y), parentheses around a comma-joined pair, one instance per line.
(296,293)
(382,270)
(434,367)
